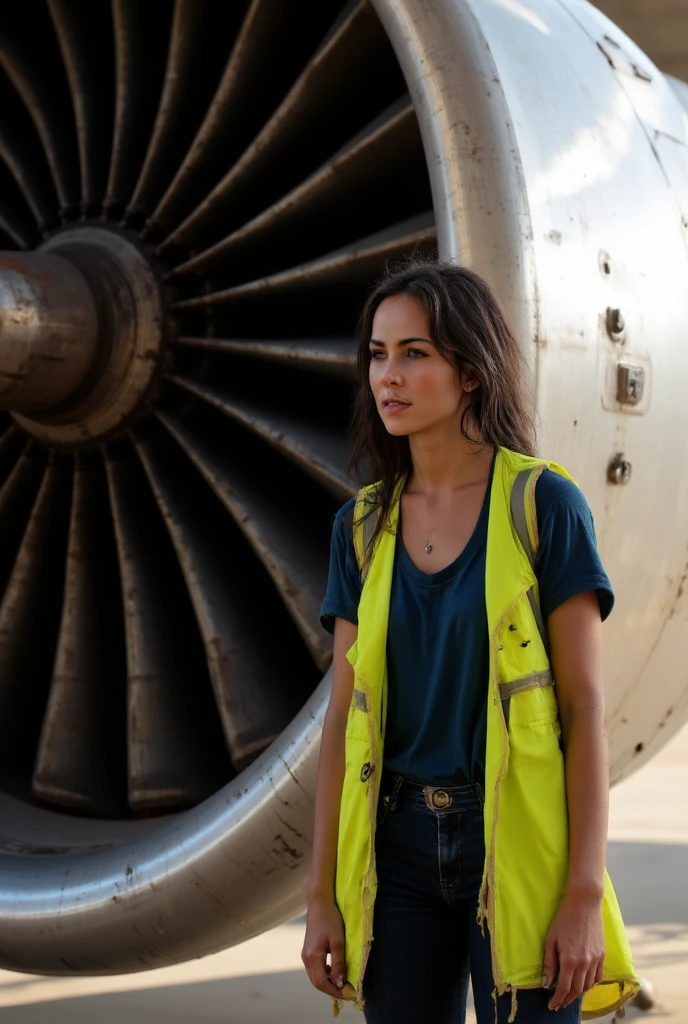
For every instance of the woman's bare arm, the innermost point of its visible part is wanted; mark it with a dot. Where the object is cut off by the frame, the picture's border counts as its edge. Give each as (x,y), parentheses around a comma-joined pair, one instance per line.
(575,635)
(325,931)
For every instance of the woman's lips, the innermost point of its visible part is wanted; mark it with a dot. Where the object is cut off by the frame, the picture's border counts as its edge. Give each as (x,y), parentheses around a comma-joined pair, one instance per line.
(394,407)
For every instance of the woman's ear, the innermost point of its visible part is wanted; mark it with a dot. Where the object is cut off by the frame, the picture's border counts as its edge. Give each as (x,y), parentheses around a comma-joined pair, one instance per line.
(468,382)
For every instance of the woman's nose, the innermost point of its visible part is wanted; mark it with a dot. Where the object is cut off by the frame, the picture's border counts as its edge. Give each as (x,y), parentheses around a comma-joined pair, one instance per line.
(391,373)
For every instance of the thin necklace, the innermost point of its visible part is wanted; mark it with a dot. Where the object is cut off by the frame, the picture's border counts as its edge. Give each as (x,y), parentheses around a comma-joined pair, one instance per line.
(428,545)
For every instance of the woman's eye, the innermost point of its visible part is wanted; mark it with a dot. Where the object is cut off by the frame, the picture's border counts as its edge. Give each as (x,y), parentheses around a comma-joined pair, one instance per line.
(416,351)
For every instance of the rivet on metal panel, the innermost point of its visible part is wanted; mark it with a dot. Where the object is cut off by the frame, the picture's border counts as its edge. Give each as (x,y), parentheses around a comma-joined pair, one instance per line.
(619,470)
(616,325)
(605,262)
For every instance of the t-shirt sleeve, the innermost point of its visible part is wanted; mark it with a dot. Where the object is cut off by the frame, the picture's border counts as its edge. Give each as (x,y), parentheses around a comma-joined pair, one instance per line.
(568,562)
(343,582)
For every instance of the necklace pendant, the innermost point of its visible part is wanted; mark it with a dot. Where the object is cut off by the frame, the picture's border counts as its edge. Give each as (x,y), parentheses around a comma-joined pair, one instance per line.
(428,548)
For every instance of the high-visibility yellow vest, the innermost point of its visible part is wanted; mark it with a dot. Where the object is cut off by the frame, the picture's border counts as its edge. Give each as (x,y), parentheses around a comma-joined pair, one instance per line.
(526,819)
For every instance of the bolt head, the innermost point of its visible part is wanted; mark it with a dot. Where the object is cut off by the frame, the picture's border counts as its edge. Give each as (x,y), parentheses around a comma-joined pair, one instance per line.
(616,324)
(619,469)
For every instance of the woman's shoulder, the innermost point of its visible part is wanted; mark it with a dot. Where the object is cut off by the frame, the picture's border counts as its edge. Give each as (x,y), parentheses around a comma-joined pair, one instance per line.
(345,514)
(554,489)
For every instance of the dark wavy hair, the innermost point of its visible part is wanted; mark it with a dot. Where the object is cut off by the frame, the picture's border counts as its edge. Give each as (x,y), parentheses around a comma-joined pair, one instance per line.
(469,328)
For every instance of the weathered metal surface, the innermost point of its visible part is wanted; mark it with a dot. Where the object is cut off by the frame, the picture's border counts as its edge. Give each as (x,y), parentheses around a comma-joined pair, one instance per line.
(391,141)
(475,170)
(224,871)
(80,761)
(196,26)
(253,704)
(42,87)
(49,329)
(322,453)
(330,356)
(82,33)
(166,762)
(360,260)
(681,90)
(299,124)
(297,568)
(659,28)
(17,495)
(129,332)
(26,168)
(229,118)
(140,38)
(29,609)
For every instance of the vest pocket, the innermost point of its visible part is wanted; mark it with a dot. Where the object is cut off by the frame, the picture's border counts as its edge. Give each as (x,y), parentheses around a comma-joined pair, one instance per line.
(529,700)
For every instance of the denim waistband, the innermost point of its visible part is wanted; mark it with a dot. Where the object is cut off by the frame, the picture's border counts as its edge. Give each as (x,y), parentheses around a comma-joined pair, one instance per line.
(397,790)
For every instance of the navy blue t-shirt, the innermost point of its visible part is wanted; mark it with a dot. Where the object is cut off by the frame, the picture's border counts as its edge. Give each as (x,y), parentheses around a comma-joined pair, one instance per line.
(437,639)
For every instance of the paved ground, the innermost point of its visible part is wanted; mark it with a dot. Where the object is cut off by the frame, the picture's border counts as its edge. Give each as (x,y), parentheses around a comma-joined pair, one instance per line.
(262,982)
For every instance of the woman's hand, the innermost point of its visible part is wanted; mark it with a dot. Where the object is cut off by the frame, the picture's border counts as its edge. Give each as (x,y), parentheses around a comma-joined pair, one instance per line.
(324,934)
(574,949)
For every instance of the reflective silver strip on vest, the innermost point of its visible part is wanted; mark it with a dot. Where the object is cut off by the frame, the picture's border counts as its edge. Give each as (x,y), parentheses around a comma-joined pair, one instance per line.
(518,513)
(518,516)
(369,525)
(537,680)
(532,682)
(368,529)
(539,621)
(358,700)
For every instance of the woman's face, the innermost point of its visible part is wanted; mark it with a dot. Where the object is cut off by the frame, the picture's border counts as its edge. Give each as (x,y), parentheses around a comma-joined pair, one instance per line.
(414,386)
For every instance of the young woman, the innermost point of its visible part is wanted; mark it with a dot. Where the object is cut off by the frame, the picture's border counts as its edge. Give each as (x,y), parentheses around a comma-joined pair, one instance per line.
(461,807)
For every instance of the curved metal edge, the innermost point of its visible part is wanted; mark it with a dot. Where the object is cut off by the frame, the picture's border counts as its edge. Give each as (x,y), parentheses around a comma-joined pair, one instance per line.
(204,880)
(476,176)
(680,88)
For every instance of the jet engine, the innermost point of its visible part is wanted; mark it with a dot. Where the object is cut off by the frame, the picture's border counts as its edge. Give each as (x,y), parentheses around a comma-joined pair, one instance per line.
(194,198)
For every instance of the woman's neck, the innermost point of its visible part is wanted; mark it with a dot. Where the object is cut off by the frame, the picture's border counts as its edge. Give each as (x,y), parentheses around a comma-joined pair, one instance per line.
(444,465)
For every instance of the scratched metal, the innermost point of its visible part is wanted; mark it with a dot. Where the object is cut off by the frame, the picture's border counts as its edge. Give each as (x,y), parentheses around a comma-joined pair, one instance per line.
(391,140)
(48,323)
(224,871)
(297,567)
(117,312)
(313,118)
(320,452)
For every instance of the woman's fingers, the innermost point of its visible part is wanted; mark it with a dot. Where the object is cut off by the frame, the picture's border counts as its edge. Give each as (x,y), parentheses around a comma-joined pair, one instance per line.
(590,976)
(324,934)
(321,975)
(599,974)
(577,985)
(338,968)
(563,985)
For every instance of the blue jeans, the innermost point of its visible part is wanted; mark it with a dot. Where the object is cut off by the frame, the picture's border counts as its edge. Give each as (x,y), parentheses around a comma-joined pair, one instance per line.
(430,850)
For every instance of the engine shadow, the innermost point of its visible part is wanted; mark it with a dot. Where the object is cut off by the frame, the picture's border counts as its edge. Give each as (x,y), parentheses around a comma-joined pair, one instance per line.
(250,999)
(650,882)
